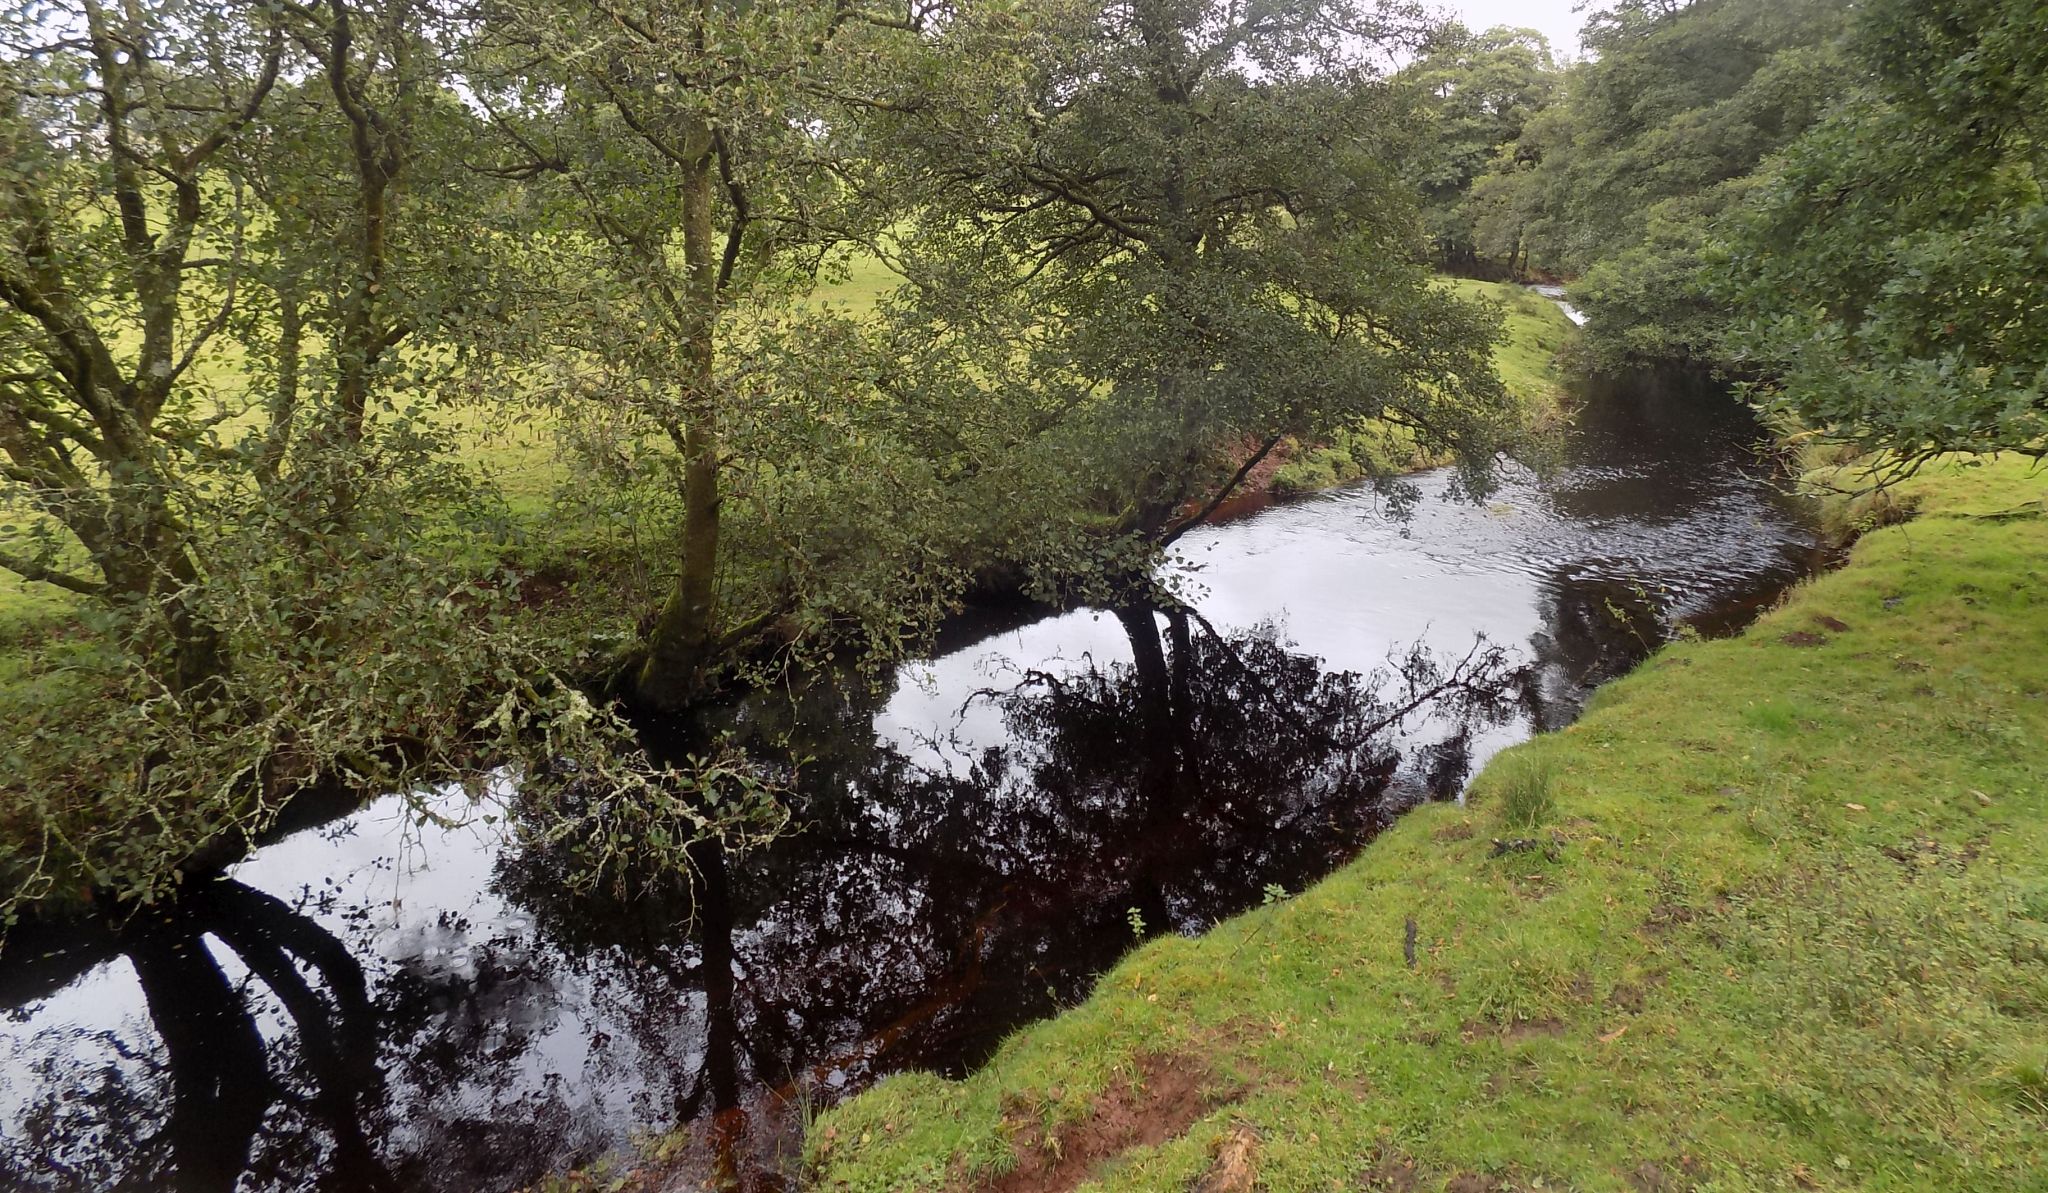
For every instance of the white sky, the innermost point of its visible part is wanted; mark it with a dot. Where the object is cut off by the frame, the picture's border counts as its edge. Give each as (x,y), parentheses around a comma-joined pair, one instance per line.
(1552,18)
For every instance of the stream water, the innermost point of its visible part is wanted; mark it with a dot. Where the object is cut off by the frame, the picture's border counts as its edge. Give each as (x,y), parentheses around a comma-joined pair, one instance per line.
(1556,295)
(380,1003)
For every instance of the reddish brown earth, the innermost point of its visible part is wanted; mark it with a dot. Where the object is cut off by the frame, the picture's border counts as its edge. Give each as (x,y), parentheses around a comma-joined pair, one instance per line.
(1169,1095)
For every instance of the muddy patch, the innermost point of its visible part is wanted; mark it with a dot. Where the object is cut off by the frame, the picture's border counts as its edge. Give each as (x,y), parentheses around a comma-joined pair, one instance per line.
(1666,918)
(1170,1094)
(1655,1178)
(1632,997)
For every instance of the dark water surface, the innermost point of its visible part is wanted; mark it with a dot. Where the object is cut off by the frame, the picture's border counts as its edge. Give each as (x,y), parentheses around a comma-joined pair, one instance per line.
(382,1004)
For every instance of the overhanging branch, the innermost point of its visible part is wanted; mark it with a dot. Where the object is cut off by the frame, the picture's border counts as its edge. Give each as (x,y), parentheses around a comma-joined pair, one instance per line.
(29,569)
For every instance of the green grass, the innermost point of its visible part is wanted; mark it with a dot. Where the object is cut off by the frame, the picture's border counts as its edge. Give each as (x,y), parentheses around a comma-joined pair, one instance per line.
(1525,786)
(865,279)
(1791,932)
(1536,329)
(1525,357)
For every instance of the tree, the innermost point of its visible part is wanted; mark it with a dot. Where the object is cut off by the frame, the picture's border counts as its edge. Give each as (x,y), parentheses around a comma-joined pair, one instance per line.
(1483,90)
(159,177)
(120,264)
(1620,183)
(683,163)
(1894,260)
(1190,229)
(280,560)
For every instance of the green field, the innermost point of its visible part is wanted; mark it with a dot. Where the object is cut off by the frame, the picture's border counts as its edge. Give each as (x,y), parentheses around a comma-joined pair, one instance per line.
(1782,923)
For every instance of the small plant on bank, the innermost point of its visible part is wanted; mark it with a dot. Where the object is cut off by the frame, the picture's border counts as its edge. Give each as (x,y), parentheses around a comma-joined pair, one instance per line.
(1526,789)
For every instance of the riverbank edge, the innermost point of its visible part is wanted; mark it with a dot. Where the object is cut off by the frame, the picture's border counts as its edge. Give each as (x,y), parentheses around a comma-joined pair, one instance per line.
(36,683)
(1535,332)
(1773,914)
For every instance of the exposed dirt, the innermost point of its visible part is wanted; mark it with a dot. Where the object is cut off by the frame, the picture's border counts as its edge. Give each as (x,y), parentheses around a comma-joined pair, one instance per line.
(1236,1167)
(1170,1094)
(1833,625)
(1665,917)
(1392,1173)
(1653,1178)
(1529,1029)
(1260,478)
(1802,638)
(1629,997)
(544,588)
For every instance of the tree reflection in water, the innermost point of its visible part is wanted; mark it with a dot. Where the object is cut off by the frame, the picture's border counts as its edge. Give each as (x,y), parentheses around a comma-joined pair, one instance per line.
(941,889)
(188,1114)
(925,908)
(924,911)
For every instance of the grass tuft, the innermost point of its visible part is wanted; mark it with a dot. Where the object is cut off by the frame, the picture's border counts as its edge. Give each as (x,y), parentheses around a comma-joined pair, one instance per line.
(1525,784)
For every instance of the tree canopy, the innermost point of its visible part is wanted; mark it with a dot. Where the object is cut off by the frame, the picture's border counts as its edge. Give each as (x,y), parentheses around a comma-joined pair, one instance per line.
(1894,262)
(284,287)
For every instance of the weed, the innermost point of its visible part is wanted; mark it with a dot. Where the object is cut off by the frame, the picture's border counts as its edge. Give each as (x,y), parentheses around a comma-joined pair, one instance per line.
(1525,783)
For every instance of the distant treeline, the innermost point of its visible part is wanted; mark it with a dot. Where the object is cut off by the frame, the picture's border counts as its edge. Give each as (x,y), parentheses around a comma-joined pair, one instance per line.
(1842,198)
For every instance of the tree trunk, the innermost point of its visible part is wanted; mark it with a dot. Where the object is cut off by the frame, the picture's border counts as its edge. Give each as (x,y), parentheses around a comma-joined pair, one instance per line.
(148,566)
(682,647)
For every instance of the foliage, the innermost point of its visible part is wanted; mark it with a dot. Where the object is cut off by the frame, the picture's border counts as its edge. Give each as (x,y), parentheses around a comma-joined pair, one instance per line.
(269,271)
(1148,231)
(1533,333)
(225,314)
(1621,179)
(1892,261)
(1805,949)
(379,661)
(667,155)
(1483,90)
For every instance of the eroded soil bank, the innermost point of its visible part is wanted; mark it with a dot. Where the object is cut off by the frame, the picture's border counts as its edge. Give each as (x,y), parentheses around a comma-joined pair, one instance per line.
(1773,914)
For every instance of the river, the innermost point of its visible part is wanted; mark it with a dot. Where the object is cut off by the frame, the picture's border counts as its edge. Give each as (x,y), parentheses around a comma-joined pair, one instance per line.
(381,1003)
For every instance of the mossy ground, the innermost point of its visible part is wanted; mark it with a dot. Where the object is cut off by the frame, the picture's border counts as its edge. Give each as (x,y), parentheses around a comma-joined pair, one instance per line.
(1784,926)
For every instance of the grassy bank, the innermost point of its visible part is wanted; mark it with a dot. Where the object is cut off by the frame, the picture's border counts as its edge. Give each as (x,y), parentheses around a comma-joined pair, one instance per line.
(1526,357)
(1779,920)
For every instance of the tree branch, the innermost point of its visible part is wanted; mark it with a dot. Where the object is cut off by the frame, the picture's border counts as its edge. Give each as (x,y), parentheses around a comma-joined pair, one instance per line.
(1222,494)
(29,569)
